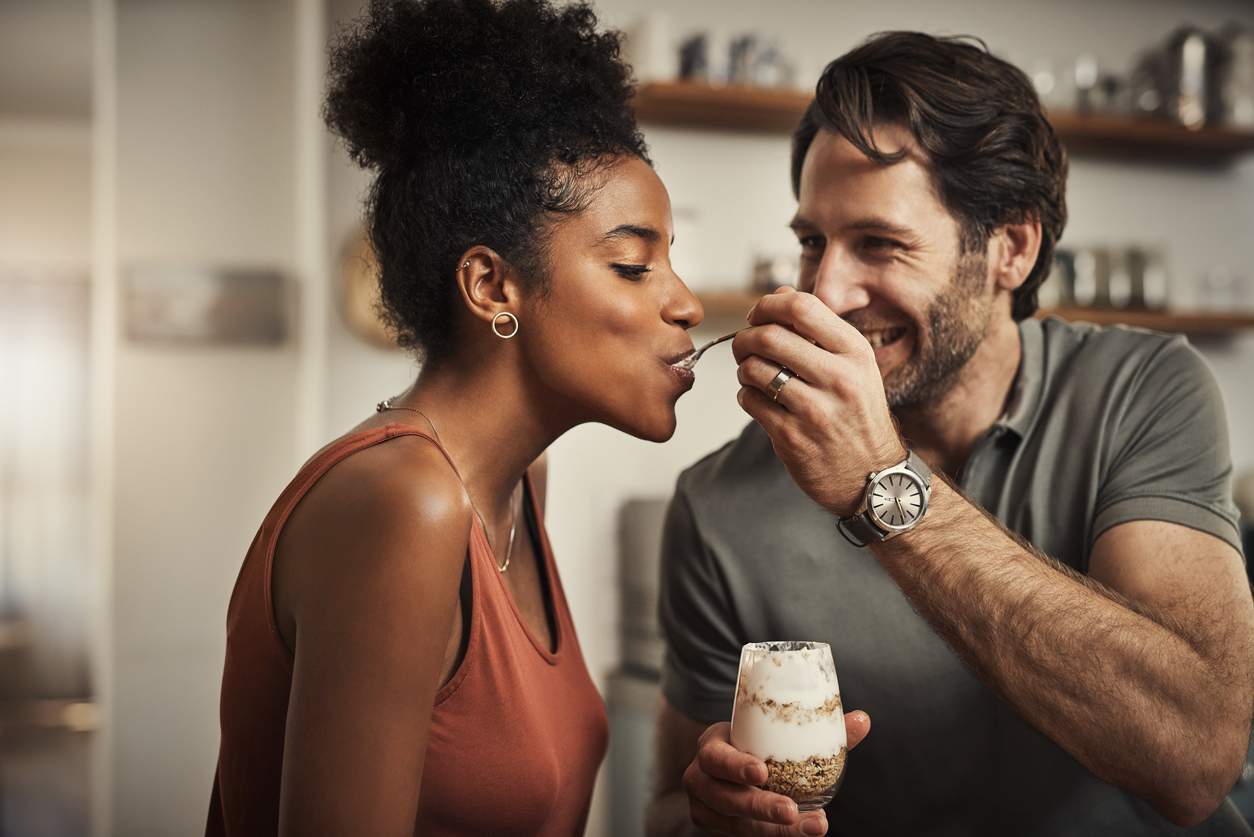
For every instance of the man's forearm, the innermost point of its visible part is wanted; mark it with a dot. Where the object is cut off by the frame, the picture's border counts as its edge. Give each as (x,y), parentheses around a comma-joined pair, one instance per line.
(1118,685)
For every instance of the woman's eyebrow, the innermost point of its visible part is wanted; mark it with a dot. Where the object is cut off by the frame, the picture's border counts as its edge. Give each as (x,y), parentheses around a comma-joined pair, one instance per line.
(631,230)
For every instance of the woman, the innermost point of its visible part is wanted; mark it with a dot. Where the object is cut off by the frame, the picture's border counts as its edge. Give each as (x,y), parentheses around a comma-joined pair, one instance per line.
(400,656)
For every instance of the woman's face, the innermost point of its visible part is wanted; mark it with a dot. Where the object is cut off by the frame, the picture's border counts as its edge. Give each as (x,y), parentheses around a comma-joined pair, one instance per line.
(613,319)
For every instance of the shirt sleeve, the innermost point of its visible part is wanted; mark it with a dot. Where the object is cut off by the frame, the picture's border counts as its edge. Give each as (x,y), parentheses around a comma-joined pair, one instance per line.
(696,618)
(1168,449)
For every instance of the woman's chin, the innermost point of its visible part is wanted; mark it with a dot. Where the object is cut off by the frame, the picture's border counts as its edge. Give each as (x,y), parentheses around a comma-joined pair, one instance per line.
(658,428)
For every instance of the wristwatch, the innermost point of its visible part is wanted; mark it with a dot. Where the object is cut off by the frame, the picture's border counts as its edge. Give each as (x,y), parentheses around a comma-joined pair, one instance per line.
(894,502)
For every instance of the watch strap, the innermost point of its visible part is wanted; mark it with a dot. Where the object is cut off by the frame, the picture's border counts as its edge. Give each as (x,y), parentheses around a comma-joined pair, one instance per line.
(917,465)
(859,530)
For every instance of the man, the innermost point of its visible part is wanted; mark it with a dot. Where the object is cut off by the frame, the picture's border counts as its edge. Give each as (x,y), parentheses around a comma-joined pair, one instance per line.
(1052,629)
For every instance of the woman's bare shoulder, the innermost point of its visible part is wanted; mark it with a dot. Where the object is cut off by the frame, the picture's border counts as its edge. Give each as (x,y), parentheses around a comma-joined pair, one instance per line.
(394,514)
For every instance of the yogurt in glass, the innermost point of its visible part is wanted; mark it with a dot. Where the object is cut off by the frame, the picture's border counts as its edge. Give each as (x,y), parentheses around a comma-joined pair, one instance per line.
(788,713)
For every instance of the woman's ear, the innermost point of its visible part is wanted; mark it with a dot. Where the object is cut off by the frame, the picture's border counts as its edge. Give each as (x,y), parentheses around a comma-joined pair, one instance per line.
(486,283)
(1014,251)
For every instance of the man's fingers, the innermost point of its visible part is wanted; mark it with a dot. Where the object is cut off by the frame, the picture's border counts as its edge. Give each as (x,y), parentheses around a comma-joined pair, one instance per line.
(733,799)
(857,725)
(822,364)
(808,316)
(718,758)
(712,822)
(760,373)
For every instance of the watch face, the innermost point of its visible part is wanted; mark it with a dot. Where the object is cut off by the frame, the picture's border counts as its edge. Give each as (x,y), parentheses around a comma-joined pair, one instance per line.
(897,500)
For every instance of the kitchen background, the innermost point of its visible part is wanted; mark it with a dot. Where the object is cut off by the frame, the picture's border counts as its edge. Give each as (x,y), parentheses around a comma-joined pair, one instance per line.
(163,160)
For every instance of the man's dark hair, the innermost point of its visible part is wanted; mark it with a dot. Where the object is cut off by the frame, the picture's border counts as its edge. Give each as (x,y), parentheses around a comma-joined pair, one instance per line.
(977,119)
(483,120)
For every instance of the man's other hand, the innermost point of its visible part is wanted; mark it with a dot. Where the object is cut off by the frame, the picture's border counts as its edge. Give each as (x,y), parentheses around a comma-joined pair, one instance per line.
(723,797)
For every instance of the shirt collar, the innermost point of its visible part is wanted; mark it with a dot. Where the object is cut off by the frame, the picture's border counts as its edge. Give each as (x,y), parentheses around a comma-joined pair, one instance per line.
(1026,390)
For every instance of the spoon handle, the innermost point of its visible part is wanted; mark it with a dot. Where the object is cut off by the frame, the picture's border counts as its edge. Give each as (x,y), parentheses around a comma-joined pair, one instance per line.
(692,359)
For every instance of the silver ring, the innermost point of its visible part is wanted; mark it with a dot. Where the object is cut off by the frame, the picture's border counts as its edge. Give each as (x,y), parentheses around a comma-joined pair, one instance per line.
(777,383)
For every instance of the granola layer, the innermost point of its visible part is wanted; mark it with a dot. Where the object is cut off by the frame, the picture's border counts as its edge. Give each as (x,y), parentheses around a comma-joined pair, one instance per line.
(804,779)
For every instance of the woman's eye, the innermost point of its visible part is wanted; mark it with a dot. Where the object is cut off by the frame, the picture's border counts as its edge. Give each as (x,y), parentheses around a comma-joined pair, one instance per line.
(631,271)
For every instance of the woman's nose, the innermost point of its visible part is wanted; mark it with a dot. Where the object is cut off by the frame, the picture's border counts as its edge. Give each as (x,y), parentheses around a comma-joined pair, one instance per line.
(683,308)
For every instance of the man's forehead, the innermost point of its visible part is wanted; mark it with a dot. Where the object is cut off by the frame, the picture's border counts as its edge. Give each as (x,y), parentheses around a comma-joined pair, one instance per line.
(835,170)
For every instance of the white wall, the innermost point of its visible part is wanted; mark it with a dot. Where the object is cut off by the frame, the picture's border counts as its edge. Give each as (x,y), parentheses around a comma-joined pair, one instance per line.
(45,200)
(204,439)
(45,58)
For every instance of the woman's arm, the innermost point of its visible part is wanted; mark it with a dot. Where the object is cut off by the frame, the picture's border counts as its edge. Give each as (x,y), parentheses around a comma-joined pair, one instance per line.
(366,589)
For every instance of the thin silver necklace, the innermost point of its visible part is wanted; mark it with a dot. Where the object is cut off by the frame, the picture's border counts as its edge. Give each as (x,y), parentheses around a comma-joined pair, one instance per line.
(386,404)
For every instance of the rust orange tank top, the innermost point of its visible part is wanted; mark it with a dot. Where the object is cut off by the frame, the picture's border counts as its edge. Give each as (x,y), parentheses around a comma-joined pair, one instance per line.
(516,735)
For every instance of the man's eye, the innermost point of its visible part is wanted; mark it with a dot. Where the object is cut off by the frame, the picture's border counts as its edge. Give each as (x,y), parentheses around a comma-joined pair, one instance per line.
(810,243)
(631,271)
(872,242)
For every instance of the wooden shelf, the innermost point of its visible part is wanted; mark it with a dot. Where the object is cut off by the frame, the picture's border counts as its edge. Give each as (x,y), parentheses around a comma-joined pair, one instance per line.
(1186,322)
(692,105)
(1149,139)
(727,305)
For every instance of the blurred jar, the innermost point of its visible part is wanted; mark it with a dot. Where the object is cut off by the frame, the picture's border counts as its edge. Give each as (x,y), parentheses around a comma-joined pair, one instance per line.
(756,61)
(1192,63)
(1090,282)
(1119,291)
(1236,76)
(1147,84)
(1221,289)
(1055,87)
(1148,274)
(1086,78)
(705,57)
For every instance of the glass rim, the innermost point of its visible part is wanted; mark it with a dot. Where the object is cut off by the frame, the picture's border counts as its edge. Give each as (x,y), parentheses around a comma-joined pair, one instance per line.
(784,645)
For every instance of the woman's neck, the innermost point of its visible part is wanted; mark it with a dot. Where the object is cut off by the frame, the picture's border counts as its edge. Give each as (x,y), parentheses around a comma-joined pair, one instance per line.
(484,418)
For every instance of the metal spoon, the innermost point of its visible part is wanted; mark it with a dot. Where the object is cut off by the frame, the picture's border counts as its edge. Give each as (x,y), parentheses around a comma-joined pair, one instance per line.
(691,360)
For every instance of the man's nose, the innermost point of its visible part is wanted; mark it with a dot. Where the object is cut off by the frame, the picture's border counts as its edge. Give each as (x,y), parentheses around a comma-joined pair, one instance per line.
(840,283)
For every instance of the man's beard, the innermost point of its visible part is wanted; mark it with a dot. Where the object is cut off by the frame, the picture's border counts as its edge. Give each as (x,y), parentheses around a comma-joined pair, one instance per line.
(957,321)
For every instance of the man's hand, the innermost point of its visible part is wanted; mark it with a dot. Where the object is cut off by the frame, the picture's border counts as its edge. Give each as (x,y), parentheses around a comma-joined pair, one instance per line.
(723,797)
(830,424)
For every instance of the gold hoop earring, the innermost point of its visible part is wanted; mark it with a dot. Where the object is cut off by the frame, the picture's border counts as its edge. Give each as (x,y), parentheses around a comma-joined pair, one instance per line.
(496,322)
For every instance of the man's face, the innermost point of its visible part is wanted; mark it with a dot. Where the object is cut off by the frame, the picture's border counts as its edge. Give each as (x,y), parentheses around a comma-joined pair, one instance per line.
(881,250)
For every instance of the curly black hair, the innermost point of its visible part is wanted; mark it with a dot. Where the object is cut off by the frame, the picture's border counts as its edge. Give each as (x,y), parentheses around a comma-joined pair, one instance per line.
(483,121)
(994,156)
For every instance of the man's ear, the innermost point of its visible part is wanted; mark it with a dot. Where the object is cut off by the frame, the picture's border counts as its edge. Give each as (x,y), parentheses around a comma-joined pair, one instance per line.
(486,284)
(1013,249)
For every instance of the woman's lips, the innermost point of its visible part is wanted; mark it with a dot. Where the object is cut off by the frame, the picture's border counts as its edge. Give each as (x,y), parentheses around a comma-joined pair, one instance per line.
(676,359)
(686,377)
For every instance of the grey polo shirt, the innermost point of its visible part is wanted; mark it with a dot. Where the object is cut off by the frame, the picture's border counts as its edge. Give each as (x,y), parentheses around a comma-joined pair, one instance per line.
(1104,426)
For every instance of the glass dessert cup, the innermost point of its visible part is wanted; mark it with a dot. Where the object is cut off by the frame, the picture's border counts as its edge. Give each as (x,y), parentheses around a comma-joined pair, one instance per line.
(788,713)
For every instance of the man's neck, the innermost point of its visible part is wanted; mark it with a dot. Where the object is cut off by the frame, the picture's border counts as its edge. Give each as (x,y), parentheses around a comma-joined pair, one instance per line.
(945,433)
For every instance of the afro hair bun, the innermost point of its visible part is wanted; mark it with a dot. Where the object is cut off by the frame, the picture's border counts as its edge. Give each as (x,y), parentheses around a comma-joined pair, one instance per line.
(424,77)
(483,121)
